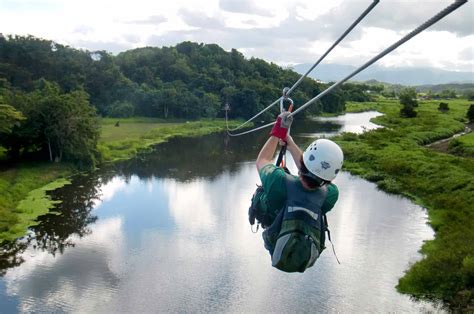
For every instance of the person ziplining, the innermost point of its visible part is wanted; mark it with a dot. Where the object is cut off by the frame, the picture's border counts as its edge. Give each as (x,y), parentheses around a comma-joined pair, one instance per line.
(291,208)
(296,231)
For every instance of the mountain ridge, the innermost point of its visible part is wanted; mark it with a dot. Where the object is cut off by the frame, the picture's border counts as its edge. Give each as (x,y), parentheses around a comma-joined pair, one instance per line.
(410,76)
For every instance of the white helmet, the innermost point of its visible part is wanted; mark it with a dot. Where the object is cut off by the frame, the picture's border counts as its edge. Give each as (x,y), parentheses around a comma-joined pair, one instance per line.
(323,158)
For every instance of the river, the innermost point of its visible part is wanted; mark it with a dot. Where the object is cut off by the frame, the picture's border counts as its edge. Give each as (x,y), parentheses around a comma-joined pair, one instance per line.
(169,232)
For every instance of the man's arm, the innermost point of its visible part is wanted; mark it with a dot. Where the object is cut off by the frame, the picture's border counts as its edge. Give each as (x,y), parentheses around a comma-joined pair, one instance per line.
(295,151)
(279,131)
(265,156)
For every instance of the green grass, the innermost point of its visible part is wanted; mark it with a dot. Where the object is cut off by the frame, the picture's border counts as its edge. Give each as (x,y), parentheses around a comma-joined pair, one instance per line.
(463,145)
(130,129)
(23,196)
(396,159)
(24,186)
(353,106)
(3,153)
(138,135)
(467,140)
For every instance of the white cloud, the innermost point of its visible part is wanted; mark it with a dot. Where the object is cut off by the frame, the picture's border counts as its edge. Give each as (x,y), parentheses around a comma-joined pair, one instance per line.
(284,32)
(195,204)
(66,282)
(154,20)
(243,6)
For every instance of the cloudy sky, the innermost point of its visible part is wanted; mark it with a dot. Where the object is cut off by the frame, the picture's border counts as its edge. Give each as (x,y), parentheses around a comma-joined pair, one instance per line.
(282,31)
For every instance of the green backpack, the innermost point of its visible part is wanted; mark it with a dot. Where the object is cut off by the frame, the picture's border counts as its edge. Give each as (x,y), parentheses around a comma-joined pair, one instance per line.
(296,237)
(259,209)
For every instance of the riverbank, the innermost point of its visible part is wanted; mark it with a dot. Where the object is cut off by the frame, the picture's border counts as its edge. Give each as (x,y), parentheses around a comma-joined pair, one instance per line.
(134,136)
(396,159)
(463,145)
(24,184)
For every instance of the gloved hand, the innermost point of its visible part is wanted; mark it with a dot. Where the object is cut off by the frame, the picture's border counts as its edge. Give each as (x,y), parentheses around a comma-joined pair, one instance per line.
(283,123)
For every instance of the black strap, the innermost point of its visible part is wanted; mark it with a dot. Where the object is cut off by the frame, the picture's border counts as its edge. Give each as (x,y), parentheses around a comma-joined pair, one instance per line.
(280,156)
(326,226)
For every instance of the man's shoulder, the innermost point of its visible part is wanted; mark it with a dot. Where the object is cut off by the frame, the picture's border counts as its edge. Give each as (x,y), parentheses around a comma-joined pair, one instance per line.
(271,169)
(332,189)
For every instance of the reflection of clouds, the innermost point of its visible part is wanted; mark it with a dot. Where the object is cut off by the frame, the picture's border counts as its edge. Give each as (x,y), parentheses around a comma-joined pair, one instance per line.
(349,122)
(375,235)
(213,263)
(189,203)
(355,122)
(187,247)
(77,280)
(149,185)
(108,190)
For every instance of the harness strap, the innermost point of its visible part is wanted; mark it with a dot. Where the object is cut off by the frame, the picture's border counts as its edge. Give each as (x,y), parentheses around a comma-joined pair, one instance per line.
(256,230)
(325,219)
(280,156)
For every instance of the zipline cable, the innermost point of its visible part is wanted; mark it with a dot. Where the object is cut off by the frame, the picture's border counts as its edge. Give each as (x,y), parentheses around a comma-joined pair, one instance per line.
(413,33)
(362,16)
(374,3)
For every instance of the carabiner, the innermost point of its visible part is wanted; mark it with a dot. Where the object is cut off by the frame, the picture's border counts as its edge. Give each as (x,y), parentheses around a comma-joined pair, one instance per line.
(285,97)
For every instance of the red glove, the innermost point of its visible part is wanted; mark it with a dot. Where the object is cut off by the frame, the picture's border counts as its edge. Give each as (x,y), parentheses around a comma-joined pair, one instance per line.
(283,123)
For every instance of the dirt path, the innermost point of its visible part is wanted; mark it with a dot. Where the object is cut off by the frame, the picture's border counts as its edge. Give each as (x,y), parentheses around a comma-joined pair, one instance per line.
(443,145)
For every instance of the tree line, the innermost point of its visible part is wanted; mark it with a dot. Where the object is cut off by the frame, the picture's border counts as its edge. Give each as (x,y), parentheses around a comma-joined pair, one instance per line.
(51,94)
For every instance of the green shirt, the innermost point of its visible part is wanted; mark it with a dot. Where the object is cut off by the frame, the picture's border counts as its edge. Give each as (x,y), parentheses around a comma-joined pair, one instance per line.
(273,182)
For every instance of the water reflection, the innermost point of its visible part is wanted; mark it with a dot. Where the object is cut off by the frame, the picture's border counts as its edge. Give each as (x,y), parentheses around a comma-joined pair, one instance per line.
(170,233)
(53,233)
(351,122)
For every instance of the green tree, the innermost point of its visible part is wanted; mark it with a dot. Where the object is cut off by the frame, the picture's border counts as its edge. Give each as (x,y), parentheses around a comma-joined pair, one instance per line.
(211,105)
(469,95)
(61,125)
(408,101)
(161,82)
(120,109)
(9,118)
(447,94)
(470,113)
(443,106)
(356,92)
(71,127)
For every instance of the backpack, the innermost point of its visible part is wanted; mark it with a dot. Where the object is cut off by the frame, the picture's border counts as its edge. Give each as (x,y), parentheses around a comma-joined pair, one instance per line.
(296,237)
(259,209)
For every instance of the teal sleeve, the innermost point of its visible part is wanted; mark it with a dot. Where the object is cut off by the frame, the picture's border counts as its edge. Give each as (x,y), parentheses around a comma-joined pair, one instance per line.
(273,182)
(331,198)
(271,175)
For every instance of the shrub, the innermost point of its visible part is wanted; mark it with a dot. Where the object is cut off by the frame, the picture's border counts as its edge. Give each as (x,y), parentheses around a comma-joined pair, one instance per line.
(470,113)
(443,106)
(408,101)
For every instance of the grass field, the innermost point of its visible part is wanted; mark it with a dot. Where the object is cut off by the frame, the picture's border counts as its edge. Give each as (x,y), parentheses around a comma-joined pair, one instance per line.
(139,134)
(130,129)
(463,145)
(16,183)
(24,186)
(395,157)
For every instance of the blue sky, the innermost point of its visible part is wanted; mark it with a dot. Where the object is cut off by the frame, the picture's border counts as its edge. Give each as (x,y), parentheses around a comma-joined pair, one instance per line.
(282,31)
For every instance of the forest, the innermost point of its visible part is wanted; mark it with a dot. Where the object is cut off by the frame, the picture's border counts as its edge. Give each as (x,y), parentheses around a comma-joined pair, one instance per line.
(51,95)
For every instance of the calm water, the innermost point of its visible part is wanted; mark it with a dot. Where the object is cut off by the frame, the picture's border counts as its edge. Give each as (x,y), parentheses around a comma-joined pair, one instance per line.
(169,232)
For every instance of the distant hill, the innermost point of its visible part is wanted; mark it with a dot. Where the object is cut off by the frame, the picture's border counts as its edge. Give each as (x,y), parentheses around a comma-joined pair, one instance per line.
(458,88)
(402,75)
(187,81)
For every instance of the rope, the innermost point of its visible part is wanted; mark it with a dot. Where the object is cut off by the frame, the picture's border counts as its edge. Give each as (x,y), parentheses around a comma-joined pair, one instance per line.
(334,251)
(288,92)
(412,34)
